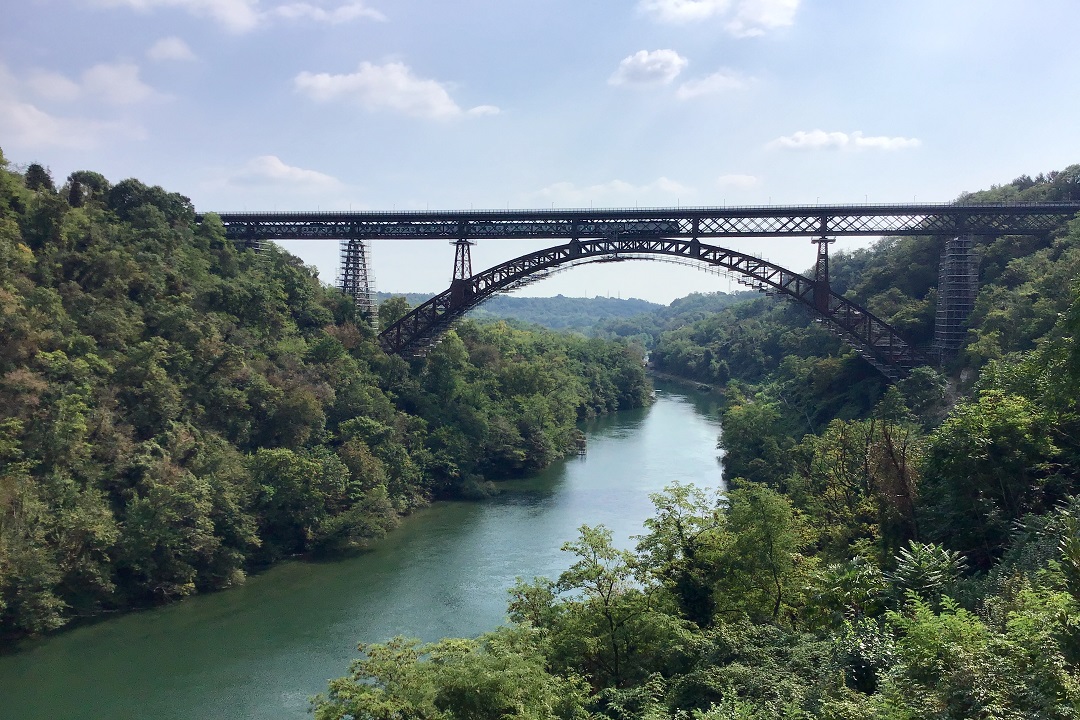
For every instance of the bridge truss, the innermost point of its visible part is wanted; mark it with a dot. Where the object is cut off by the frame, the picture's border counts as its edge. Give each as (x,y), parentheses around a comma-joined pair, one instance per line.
(657,233)
(879,343)
(770,221)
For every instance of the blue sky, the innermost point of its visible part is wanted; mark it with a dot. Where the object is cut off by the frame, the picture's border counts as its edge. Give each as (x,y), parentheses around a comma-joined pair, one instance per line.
(410,104)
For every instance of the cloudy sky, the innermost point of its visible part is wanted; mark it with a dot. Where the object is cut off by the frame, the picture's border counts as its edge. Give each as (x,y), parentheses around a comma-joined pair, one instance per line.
(427,104)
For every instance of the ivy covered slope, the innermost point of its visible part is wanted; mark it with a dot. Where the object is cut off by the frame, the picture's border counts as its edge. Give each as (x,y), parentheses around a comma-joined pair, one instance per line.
(893,553)
(174,411)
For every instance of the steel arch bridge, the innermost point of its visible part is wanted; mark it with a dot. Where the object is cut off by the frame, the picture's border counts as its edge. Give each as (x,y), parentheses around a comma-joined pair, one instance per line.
(606,235)
(878,342)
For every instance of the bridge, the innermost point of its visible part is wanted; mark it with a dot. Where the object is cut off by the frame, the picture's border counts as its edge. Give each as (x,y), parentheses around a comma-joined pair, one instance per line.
(609,235)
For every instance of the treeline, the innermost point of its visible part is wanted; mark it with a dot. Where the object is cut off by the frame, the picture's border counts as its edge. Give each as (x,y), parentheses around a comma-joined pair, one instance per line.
(881,552)
(646,328)
(576,314)
(175,411)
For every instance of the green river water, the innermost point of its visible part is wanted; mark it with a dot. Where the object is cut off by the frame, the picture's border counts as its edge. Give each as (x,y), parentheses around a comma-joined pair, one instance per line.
(262,649)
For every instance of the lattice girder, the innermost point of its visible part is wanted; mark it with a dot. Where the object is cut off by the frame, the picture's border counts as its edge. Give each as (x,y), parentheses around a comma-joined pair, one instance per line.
(990,219)
(421,327)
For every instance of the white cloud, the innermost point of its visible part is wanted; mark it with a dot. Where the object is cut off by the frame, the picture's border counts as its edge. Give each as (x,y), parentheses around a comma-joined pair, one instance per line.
(269,170)
(392,86)
(170,48)
(662,191)
(812,140)
(756,17)
(882,142)
(28,126)
(53,86)
(112,83)
(117,84)
(24,125)
(738,181)
(341,14)
(649,67)
(240,16)
(717,82)
(233,15)
(744,17)
(821,140)
(684,11)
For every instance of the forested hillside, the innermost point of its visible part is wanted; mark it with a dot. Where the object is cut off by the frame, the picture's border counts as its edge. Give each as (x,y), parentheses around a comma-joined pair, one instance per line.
(555,313)
(881,552)
(1023,284)
(175,412)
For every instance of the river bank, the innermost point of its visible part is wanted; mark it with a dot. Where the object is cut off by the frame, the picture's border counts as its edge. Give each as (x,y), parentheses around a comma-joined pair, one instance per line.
(261,649)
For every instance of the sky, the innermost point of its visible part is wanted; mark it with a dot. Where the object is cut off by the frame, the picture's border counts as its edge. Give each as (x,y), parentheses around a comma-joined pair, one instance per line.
(483,104)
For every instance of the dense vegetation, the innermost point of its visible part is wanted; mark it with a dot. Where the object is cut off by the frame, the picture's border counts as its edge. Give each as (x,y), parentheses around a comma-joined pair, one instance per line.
(175,411)
(894,553)
(555,313)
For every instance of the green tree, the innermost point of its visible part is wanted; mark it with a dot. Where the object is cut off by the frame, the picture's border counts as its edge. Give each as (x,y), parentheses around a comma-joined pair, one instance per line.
(756,444)
(765,566)
(595,619)
(38,178)
(952,665)
(499,675)
(683,548)
(985,469)
(392,310)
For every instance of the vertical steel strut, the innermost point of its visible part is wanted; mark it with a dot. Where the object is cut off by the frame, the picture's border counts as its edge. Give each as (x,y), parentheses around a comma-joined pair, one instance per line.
(462,259)
(356,279)
(821,273)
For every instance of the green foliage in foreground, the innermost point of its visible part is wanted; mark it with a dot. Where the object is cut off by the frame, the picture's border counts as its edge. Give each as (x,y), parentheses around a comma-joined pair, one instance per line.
(613,637)
(890,554)
(175,411)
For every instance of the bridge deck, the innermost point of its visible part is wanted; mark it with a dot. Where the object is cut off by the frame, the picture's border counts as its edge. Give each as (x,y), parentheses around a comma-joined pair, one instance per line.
(686,222)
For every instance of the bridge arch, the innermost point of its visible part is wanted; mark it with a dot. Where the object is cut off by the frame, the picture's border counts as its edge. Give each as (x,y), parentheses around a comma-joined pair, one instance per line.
(875,339)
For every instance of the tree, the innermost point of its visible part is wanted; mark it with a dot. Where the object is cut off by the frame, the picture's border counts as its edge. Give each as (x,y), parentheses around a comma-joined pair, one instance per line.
(612,607)
(952,665)
(984,470)
(755,443)
(39,178)
(595,619)
(682,548)
(927,570)
(392,310)
(764,563)
(499,675)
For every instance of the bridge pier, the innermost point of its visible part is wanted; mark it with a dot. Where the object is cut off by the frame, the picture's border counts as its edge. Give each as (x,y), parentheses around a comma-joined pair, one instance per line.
(462,259)
(958,286)
(822,290)
(356,279)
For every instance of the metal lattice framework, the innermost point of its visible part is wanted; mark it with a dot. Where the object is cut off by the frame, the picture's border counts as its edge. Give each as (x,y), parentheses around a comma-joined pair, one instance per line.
(657,233)
(880,344)
(356,279)
(989,219)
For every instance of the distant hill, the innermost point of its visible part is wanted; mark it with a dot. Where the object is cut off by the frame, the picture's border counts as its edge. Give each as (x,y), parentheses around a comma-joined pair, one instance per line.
(556,313)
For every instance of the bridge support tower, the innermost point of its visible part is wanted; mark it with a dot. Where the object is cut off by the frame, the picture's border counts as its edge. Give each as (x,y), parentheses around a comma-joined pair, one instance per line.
(460,287)
(958,285)
(821,274)
(462,259)
(356,279)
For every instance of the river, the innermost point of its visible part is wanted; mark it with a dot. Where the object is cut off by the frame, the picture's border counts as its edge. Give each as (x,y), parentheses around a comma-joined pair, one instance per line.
(262,649)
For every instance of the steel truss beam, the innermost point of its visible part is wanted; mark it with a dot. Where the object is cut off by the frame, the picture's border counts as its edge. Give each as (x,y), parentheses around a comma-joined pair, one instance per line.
(775,221)
(879,342)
